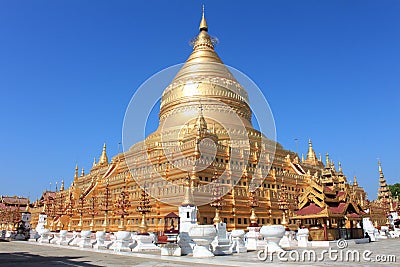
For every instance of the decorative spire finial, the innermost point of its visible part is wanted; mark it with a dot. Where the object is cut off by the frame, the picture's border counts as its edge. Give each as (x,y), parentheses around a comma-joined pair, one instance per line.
(76,172)
(203,23)
(83,172)
(103,158)
(355,183)
(379,165)
(327,161)
(311,157)
(188,197)
(28,208)
(201,123)
(62,185)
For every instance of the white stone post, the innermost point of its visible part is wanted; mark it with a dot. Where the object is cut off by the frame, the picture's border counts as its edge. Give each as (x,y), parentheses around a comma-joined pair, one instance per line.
(302,237)
(238,245)
(188,218)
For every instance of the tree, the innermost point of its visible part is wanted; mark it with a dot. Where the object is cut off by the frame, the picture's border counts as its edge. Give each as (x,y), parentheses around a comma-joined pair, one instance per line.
(395,189)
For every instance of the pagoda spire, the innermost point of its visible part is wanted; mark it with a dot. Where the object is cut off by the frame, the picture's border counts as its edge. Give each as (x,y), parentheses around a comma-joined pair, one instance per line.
(76,172)
(94,162)
(383,191)
(203,23)
(340,167)
(83,172)
(201,123)
(62,185)
(327,161)
(311,156)
(203,40)
(355,183)
(103,158)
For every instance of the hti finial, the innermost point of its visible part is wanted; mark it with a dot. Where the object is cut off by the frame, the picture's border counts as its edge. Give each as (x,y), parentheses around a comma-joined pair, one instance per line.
(203,23)
(379,165)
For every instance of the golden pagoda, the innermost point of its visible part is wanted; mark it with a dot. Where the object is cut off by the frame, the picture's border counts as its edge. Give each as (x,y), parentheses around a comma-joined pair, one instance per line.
(380,209)
(187,152)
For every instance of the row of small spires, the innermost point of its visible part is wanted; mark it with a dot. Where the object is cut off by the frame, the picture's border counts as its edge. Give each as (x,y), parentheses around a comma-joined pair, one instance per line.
(312,158)
(103,160)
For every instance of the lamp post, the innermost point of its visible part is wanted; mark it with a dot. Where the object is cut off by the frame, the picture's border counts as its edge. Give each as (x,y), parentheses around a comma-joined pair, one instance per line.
(122,204)
(80,210)
(283,204)
(217,200)
(253,203)
(50,211)
(59,208)
(105,205)
(91,209)
(143,208)
(70,210)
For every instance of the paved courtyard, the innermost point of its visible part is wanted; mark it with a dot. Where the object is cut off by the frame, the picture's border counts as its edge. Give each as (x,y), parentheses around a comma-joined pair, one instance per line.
(17,253)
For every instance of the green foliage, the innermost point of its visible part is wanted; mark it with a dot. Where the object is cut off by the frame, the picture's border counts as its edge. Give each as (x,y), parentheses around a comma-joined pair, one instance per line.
(395,189)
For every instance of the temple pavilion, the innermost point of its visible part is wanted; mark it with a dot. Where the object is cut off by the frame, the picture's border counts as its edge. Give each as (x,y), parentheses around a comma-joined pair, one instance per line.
(295,190)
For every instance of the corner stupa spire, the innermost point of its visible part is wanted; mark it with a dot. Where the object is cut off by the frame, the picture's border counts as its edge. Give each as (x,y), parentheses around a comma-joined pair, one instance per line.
(203,23)
(103,158)
(28,208)
(188,196)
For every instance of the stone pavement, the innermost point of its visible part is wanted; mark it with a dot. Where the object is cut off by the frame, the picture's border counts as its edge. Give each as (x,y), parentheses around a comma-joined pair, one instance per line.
(19,253)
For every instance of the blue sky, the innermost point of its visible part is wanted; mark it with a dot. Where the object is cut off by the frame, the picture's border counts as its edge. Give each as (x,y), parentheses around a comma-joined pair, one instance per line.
(329,70)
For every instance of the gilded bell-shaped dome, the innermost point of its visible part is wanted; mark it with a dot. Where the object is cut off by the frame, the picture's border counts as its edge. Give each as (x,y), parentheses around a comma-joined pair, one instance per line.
(204,80)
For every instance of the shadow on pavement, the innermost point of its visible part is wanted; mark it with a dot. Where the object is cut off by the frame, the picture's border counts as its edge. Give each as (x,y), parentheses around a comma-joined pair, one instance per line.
(32,260)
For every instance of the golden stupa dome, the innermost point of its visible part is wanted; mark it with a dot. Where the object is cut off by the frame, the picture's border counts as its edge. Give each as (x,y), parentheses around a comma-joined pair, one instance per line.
(204,81)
